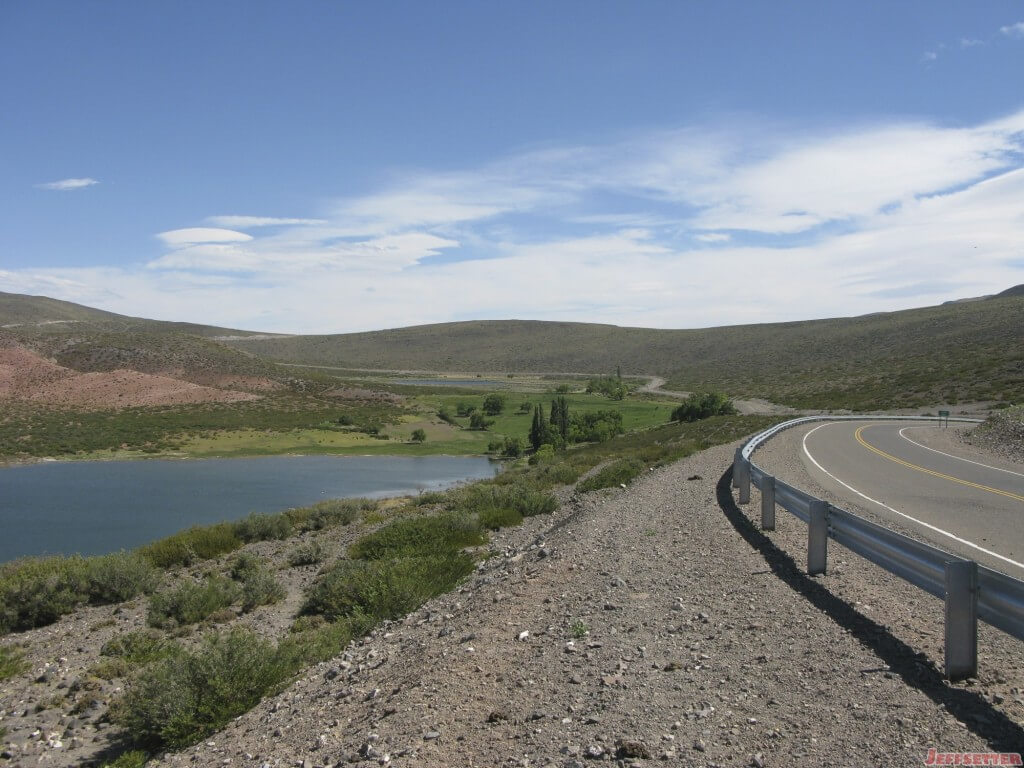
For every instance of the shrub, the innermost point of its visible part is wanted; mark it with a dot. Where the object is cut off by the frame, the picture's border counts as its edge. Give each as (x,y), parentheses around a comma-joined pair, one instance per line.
(512,448)
(180,699)
(12,661)
(38,591)
(500,517)
(477,421)
(419,536)
(385,589)
(493,404)
(617,473)
(595,426)
(545,453)
(609,386)
(419,436)
(191,546)
(518,496)
(191,602)
(263,528)
(306,554)
(135,758)
(243,565)
(446,415)
(464,409)
(140,647)
(702,406)
(119,577)
(525,407)
(260,588)
(330,513)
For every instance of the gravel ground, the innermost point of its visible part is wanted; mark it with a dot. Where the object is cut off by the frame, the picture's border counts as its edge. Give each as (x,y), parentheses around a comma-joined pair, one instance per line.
(1002,434)
(654,622)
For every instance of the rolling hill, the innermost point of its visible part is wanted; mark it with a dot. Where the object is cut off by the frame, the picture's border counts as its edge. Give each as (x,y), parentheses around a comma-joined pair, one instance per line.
(956,352)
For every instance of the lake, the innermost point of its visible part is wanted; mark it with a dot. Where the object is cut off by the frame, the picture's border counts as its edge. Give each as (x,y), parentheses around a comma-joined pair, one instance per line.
(95,507)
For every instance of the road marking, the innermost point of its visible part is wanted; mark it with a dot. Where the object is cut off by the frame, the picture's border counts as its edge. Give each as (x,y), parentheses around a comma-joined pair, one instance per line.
(950,455)
(951,478)
(895,511)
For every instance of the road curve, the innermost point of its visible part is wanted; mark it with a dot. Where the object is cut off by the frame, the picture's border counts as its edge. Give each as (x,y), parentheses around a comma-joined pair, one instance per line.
(971,507)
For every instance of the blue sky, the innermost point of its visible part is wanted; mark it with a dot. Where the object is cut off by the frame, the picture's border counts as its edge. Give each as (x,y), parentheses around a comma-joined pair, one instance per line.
(341,166)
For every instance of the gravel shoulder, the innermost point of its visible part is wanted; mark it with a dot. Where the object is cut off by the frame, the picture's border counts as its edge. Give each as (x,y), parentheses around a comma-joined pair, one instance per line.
(650,622)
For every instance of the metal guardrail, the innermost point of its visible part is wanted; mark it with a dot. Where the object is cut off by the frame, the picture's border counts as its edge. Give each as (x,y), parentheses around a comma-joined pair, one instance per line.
(970,591)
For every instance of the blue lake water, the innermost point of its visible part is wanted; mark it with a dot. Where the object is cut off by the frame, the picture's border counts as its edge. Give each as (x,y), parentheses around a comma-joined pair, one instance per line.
(97,507)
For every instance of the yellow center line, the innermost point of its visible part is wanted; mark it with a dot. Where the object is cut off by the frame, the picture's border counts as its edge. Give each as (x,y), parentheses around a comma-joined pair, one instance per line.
(932,472)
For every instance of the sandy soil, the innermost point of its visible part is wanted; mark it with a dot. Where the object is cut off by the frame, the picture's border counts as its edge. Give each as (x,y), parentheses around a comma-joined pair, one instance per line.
(25,375)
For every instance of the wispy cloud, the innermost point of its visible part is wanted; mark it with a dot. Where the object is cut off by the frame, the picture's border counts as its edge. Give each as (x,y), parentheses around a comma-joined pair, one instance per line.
(970,42)
(1013,30)
(65,185)
(804,222)
(194,235)
(244,222)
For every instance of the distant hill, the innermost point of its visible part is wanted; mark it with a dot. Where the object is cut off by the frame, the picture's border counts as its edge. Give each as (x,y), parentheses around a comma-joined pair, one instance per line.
(90,340)
(956,352)
(912,358)
(1017,290)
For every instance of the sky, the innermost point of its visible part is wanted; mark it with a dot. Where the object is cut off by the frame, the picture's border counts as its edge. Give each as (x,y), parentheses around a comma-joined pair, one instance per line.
(328,166)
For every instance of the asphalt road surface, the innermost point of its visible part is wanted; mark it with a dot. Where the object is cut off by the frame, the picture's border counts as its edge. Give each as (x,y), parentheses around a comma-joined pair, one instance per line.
(965,506)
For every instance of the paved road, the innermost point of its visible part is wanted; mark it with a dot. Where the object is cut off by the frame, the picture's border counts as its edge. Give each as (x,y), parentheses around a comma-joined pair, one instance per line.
(971,508)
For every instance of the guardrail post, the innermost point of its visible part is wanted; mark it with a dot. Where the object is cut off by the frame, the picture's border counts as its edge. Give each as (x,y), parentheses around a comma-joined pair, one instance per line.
(961,619)
(817,538)
(744,481)
(768,503)
(736,461)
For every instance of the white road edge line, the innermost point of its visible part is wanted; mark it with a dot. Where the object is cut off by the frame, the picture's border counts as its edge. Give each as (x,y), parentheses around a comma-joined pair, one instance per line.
(950,455)
(929,526)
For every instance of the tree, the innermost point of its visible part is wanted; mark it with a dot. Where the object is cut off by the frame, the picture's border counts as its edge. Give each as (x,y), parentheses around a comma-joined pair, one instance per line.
(493,404)
(419,436)
(539,430)
(703,405)
(560,417)
(477,421)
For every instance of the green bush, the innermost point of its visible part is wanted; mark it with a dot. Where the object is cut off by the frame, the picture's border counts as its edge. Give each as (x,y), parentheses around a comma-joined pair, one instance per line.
(243,565)
(37,591)
(479,422)
(140,647)
(183,698)
(192,545)
(306,554)
(493,404)
(191,602)
(263,528)
(703,405)
(329,514)
(518,496)
(135,758)
(260,588)
(543,454)
(502,517)
(119,577)
(412,536)
(619,472)
(12,661)
(385,589)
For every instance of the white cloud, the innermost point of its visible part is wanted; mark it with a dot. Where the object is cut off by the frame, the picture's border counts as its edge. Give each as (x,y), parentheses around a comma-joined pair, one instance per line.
(65,185)
(970,42)
(929,56)
(193,235)
(805,223)
(244,222)
(1013,30)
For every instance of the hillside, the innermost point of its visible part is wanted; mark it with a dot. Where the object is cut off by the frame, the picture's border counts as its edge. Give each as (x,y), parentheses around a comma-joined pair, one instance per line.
(967,351)
(952,353)
(89,340)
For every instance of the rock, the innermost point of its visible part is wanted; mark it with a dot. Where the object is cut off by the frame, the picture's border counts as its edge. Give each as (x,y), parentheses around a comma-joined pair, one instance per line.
(757,761)
(699,745)
(625,748)
(431,735)
(524,634)
(593,752)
